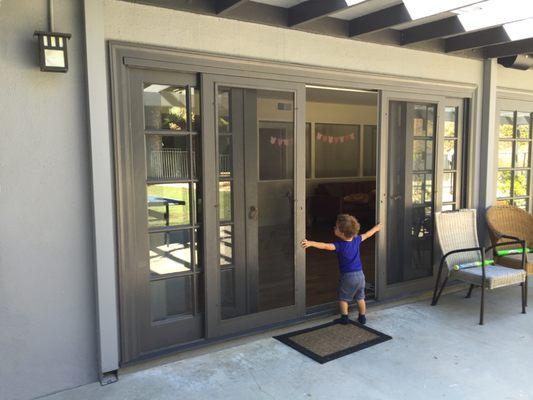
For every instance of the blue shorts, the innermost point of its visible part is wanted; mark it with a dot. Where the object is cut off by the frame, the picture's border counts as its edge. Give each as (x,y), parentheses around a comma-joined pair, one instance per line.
(352,286)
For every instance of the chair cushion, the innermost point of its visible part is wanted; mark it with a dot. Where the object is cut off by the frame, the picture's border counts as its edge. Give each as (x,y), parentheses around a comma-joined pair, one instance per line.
(495,276)
(515,261)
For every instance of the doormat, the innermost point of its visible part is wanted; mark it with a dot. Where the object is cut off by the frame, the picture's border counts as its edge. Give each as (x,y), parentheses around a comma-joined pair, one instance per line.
(327,342)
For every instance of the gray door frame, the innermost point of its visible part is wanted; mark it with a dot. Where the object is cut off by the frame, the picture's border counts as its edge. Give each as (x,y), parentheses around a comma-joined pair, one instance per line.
(123,55)
(215,325)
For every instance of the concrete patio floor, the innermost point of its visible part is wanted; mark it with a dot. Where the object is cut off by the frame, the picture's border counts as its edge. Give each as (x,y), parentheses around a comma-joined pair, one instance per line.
(436,353)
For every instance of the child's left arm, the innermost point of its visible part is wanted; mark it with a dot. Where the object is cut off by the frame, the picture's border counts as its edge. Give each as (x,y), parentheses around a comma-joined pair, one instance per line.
(371,232)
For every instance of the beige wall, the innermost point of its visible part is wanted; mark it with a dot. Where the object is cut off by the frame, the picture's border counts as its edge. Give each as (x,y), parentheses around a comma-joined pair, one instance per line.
(515,79)
(341,113)
(320,112)
(138,23)
(176,29)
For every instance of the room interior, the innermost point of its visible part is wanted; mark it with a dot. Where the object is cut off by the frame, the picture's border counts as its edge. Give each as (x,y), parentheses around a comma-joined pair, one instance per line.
(341,135)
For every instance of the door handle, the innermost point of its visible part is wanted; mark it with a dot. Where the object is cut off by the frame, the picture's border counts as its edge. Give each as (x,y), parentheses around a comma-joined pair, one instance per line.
(395,197)
(252,214)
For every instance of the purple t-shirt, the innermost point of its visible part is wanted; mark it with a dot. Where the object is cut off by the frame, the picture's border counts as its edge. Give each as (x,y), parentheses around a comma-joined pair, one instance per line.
(348,254)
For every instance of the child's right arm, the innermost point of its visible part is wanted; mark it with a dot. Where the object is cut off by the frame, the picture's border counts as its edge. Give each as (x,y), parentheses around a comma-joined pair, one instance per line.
(319,245)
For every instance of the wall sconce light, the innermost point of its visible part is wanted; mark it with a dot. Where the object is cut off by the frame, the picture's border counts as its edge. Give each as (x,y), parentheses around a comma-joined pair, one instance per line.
(53,55)
(53,51)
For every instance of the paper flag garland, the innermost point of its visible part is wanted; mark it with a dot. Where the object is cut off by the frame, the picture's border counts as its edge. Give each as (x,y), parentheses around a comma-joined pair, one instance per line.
(334,139)
(280,141)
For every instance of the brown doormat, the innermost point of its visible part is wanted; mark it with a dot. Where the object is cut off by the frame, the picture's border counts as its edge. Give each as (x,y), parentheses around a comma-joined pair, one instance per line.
(329,341)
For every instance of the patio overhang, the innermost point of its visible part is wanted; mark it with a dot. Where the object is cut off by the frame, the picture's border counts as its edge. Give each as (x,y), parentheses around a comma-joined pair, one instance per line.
(480,29)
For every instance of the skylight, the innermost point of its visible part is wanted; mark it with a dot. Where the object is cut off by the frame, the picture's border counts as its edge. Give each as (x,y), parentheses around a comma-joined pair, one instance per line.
(424,8)
(520,29)
(350,3)
(494,12)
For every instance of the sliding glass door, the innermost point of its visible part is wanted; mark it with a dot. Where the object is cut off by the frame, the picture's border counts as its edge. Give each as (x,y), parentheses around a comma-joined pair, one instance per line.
(421,146)
(256,274)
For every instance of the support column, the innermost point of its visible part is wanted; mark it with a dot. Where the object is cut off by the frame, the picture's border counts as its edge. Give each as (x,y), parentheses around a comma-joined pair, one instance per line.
(488,144)
(102,191)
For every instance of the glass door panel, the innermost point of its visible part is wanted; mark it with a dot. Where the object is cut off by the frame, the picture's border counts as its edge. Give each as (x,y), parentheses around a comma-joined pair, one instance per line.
(411,189)
(257,257)
(166,275)
(256,157)
(452,156)
(422,172)
(513,179)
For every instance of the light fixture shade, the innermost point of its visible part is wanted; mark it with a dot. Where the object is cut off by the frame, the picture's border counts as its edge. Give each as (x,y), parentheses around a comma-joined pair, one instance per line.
(53,55)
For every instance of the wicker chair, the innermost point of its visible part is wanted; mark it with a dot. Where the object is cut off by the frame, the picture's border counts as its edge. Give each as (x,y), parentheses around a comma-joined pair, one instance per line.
(509,222)
(457,235)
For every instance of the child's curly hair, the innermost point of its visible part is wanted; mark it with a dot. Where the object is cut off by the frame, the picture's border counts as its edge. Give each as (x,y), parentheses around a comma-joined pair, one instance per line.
(347,225)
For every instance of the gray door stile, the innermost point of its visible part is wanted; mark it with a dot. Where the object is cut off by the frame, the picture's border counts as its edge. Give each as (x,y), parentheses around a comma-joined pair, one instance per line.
(251,172)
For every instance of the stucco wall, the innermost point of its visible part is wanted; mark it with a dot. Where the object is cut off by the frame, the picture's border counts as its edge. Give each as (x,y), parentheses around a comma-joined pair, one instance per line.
(164,27)
(47,324)
(515,79)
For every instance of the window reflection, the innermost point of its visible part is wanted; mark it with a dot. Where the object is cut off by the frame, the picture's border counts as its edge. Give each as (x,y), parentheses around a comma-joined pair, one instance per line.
(514,159)
(170,252)
(223,104)
(448,195)
(167,157)
(225,157)
(165,107)
(506,124)
(168,204)
(450,121)
(522,155)
(171,297)
(422,154)
(523,125)
(504,184)
(226,245)
(225,200)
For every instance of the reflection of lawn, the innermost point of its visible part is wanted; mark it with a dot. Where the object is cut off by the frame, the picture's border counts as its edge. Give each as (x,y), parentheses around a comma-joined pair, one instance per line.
(224,199)
(180,214)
